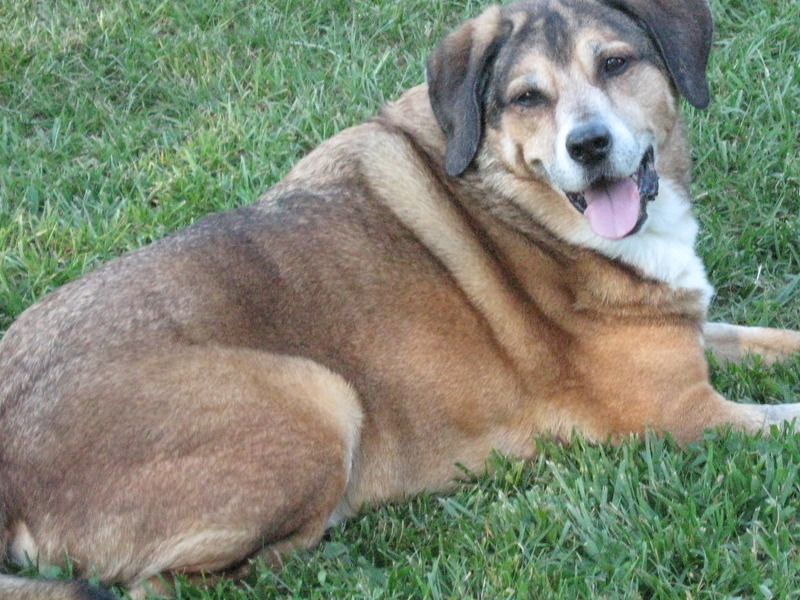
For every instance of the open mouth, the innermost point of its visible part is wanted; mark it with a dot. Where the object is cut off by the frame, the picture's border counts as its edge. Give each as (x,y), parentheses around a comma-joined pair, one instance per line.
(617,207)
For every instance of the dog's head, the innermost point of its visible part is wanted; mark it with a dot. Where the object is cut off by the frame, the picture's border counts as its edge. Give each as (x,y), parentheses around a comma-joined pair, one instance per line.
(579,94)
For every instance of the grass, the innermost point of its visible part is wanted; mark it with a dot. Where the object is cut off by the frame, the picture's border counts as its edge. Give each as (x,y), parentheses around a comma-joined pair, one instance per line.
(123,120)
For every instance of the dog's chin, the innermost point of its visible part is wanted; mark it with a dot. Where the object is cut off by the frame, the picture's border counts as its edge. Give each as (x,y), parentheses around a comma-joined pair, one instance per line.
(616,207)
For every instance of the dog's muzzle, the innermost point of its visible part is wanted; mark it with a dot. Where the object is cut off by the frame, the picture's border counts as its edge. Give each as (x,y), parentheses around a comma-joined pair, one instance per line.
(617,207)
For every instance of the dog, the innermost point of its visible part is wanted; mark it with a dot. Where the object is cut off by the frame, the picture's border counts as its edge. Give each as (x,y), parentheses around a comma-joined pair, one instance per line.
(503,253)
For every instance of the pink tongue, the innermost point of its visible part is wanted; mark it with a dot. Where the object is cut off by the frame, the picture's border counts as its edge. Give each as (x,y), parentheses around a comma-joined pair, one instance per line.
(613,207)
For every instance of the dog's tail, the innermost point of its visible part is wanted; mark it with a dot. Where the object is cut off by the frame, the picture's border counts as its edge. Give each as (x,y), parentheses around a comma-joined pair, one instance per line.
(13,587)
(21,588)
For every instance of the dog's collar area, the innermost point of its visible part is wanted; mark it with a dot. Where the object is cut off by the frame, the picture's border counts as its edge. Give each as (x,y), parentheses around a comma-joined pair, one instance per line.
(617,208)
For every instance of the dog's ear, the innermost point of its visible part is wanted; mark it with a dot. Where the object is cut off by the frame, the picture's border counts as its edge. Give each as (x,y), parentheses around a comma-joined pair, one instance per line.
(458,72)
(682,31)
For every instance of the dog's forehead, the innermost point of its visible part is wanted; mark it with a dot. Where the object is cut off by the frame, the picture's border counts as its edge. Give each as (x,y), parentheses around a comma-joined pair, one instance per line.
(553,28)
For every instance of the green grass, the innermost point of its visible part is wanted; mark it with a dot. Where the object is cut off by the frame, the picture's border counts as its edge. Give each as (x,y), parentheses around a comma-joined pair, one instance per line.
(123,120)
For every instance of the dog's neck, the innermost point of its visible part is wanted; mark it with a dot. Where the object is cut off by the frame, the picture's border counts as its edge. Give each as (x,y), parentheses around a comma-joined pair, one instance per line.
(661,253)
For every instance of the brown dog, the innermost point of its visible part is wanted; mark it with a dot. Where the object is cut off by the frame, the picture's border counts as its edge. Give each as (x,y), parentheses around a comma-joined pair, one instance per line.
(505,253)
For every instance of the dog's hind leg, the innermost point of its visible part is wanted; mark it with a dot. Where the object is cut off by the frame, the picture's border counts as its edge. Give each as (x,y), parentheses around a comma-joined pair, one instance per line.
(191,460)
(732,343)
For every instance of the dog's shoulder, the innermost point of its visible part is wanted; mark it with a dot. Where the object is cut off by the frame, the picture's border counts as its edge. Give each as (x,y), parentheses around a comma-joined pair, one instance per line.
(404,131)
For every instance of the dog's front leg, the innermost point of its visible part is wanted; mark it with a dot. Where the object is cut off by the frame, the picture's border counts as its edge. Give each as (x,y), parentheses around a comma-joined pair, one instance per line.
(704,409)
(732,343)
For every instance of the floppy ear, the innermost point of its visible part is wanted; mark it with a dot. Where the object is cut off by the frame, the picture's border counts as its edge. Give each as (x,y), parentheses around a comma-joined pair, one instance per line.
(682,31)
(458,71)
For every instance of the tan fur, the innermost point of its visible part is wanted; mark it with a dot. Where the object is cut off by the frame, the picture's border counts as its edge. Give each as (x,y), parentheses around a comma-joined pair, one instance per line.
(733,343)
(405,301)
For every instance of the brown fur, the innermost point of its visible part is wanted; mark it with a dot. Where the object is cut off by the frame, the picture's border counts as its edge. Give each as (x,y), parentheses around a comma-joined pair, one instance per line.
(409,298)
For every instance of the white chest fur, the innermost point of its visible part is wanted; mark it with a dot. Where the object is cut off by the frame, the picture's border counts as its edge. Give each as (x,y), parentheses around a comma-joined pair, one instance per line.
(664,248)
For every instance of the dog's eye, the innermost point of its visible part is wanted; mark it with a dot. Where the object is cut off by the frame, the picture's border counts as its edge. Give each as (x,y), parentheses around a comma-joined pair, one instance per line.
(615,65)
(530,98)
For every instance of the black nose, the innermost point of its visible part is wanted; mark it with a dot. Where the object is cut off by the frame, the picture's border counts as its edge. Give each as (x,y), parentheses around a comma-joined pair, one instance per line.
(589,143)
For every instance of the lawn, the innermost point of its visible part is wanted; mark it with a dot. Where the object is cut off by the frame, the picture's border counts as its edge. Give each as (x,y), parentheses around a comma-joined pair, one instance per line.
(123,120)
